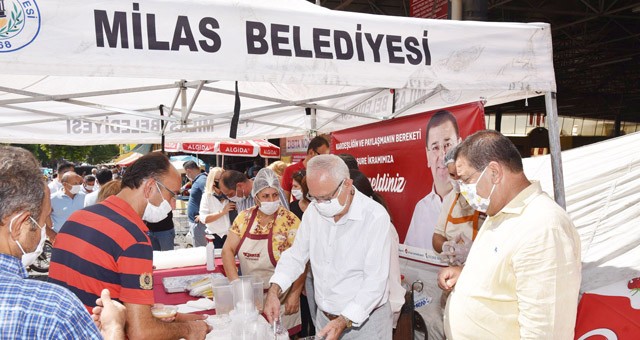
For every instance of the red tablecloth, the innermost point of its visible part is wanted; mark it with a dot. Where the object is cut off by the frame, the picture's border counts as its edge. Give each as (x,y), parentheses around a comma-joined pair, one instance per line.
(604,316)
(179,298)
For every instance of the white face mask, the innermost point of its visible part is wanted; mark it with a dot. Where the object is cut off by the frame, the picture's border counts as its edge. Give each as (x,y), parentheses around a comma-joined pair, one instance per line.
(235,198)
(470,193)
(75,189)
(297,194)
(331,207)
(29,258)
(154,213)
(456,186)
(269,208)
(90,187)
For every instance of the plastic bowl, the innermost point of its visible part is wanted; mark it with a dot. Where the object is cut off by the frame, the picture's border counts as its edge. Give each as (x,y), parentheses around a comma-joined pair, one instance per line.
(161,311)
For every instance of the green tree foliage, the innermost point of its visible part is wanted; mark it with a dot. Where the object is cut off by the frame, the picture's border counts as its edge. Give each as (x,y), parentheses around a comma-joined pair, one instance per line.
(92,154)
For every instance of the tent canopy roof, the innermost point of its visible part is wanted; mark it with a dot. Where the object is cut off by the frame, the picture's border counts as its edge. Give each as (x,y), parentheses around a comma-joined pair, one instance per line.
(78,82)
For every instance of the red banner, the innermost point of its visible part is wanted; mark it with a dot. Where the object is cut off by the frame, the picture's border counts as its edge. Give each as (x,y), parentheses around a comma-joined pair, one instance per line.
(429,9)
(393,155)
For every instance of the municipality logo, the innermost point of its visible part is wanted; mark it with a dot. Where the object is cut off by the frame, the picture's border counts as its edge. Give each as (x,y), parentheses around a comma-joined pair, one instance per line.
(19,24)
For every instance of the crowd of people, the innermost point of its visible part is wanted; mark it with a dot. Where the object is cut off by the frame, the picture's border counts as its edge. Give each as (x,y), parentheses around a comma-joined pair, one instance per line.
(315,232)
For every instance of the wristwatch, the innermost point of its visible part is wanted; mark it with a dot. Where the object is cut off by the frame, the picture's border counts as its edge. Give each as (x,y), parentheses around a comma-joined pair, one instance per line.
(348,322)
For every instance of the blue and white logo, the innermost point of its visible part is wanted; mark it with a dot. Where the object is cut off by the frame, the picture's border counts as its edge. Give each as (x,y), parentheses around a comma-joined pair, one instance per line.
(19,24)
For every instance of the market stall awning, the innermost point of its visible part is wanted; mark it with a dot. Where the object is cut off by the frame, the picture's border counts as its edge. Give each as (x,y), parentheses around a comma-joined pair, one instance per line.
(241,148)
(129,159)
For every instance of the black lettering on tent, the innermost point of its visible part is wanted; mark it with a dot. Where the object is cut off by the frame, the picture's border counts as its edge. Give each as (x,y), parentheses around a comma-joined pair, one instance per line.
(415,56)
(318,44)
(103,28)
(375,45)
(338,38)
(393,49)
(154,44)
(256,32)
(216,43)
(296,44)
(277,40)
(182,35)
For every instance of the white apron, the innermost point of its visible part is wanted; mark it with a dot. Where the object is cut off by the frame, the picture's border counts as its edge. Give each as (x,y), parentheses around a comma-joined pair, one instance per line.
(255,253)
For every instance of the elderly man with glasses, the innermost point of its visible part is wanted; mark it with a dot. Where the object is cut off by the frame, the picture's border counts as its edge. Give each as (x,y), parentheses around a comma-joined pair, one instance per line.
(345,236)
(106,245)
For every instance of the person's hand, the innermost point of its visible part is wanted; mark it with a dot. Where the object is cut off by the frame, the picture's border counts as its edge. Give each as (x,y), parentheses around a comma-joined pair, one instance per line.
(447,277)
(292,304)
(455,251)
(198,330)
(197,219)
(109,316)
(228,207)
(272,305)
(333,329)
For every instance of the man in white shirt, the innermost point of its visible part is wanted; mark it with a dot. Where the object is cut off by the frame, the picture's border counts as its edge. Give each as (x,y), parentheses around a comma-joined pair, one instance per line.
(522,275)
(345,236)
(442,134)
(56,184)
(103,177)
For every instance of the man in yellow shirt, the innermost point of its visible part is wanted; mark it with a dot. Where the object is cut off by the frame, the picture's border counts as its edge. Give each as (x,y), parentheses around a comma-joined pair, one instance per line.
(522,276)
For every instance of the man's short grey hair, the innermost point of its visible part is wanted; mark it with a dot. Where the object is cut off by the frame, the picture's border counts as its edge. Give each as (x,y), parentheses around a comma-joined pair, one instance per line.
(331,165)
(21,183)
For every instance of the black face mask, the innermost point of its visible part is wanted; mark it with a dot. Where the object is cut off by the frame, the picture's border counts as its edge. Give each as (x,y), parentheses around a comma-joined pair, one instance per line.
(220,197)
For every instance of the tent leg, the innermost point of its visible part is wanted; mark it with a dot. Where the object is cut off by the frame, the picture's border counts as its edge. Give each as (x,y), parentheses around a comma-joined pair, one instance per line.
(554,146)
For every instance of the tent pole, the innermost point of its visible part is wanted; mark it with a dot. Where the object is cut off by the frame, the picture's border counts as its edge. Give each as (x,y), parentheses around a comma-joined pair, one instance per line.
(554,146)
(162,125)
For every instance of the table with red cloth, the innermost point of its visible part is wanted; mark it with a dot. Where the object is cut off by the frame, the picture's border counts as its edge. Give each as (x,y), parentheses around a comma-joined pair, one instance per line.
(179,298)
(610,312)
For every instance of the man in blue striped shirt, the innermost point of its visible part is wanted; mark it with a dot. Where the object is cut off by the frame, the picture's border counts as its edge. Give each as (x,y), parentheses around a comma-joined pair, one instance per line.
(31,309)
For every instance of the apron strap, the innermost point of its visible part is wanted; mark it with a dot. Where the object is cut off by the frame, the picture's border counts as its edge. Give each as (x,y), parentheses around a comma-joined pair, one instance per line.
(252,218)
(463,219)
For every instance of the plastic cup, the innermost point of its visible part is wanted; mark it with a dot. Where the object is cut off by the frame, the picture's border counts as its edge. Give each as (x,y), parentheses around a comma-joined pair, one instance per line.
(223,295)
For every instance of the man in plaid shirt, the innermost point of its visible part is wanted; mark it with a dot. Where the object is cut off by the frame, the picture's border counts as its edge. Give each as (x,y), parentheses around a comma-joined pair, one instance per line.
(31,309)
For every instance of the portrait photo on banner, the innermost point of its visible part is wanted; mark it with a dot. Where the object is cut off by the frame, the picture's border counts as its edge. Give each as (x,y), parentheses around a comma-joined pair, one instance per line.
(404,160)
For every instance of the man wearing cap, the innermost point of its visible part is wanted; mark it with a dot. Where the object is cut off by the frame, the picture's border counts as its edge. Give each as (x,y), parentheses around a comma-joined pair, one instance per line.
(344,235)
(522,277)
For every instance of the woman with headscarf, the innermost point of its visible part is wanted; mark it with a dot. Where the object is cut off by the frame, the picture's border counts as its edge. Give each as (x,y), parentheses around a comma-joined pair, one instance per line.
(215,208)
(258,236)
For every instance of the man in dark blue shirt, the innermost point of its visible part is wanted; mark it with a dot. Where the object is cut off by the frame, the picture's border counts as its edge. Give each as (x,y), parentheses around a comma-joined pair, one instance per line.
(198,180)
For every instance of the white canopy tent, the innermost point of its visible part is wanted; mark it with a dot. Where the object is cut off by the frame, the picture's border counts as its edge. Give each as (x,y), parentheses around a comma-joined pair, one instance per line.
(93,72)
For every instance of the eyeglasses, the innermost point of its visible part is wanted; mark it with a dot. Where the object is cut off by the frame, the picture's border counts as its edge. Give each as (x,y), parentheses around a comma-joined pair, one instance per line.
(173,194)
(461,181)
(326,200)
(437,147)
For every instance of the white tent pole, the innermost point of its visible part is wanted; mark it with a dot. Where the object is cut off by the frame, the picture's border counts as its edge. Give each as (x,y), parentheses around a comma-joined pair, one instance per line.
(61,97)
(173,106)
(193,100)
(554,146)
